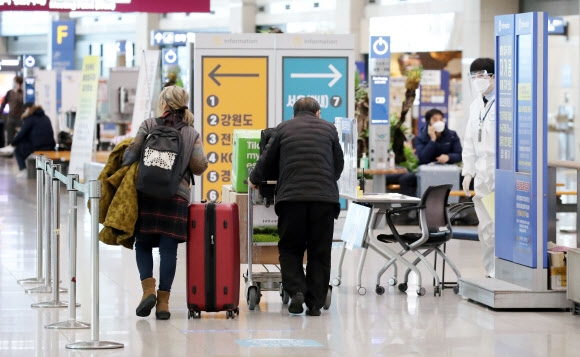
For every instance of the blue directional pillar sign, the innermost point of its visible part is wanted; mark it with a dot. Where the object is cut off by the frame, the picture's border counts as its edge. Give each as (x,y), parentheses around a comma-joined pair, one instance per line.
(379,70)
(505,84)
(29,63)
(322,78)
(521,175)
(169,56)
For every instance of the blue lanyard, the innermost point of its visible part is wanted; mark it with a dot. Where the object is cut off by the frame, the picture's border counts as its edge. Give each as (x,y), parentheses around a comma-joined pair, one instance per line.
(482,119)
(488,109)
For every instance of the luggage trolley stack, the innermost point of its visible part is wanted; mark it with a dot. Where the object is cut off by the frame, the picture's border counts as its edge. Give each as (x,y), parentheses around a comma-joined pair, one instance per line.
(262,281)
(269,280)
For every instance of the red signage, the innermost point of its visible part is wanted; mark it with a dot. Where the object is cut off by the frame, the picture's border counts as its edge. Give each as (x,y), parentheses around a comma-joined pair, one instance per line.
(154,6)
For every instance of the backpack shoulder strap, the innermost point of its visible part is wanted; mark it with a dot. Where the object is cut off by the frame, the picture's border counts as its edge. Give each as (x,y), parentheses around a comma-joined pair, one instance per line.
(180,125)
(159,121)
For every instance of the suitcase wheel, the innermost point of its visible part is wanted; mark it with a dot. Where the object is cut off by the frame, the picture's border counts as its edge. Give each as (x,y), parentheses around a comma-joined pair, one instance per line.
(194,314)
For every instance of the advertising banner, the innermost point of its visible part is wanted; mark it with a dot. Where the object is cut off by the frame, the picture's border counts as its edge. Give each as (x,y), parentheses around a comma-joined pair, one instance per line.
(107,5)
(84,133)
(434,94)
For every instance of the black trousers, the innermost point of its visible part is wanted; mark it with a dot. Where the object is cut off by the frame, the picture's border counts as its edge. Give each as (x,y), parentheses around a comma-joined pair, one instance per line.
(306,226)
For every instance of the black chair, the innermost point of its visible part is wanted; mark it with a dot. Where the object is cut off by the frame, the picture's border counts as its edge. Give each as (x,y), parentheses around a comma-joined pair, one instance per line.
(435,232)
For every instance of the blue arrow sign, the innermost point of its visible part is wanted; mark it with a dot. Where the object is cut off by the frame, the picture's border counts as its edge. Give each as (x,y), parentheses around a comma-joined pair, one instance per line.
(322,78)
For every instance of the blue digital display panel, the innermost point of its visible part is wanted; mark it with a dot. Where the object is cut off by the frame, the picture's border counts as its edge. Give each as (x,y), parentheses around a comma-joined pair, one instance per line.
(521,181)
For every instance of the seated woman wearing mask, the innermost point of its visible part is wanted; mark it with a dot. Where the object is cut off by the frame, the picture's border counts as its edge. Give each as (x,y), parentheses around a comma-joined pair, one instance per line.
(435,143)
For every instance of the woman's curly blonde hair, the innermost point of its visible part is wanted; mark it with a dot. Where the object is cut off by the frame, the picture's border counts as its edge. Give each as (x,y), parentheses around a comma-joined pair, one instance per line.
(177,100)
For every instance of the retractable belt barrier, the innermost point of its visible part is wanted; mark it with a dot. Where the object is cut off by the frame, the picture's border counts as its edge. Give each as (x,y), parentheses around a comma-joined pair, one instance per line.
(48,226)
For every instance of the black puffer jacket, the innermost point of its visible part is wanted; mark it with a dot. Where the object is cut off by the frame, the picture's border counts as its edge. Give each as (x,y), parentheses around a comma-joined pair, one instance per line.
(306,151)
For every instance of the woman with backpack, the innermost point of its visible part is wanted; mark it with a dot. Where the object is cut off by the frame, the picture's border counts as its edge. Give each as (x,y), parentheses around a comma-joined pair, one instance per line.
(163,219)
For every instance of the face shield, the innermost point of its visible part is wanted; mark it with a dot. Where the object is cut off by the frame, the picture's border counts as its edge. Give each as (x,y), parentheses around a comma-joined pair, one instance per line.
(479,82)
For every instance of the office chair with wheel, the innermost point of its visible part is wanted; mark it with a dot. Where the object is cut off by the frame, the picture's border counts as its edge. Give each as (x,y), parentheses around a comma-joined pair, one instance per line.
(435,231)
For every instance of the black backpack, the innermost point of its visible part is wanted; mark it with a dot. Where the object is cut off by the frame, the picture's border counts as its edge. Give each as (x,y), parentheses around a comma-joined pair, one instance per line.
(160,170)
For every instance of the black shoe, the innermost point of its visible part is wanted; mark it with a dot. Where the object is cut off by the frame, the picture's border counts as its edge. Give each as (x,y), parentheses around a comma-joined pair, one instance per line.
(313,312)
(144,308)
(296,303)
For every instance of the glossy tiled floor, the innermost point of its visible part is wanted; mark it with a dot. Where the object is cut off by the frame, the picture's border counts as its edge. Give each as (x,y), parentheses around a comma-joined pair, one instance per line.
(394,324)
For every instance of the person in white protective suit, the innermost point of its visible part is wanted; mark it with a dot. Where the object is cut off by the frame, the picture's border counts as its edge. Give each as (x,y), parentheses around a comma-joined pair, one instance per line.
(479,153)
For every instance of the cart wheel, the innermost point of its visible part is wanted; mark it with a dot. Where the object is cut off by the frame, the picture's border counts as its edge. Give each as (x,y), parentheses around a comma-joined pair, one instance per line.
(456,289)
(230,315)
(392,281)
(328,300)
(403,287)
(362,290)
(437,291)
(237,311)
(252,297)
(380,290)
(259,295)
(336,281)
(421,291)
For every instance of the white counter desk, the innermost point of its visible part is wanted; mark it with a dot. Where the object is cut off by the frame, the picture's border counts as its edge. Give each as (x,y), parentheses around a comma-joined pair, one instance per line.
(381,203)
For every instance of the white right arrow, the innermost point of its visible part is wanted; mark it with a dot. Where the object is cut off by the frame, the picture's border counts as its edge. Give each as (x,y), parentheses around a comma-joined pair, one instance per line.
(335,75)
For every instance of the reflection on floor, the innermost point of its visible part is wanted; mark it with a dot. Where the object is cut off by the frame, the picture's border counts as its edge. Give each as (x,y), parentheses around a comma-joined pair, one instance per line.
(394,324)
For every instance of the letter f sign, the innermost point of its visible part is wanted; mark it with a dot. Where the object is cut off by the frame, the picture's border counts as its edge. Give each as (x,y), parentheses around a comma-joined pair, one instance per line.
(61,32)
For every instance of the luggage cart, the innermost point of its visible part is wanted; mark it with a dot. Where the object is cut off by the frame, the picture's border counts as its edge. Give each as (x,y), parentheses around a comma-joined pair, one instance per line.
(269,280)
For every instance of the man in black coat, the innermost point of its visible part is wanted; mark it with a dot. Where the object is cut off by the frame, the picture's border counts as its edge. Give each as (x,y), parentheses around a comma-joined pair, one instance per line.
(36,134)
(306,154)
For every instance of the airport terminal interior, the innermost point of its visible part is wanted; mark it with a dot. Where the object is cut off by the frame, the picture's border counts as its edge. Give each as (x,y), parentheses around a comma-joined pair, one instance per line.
(138,51)
(392,324)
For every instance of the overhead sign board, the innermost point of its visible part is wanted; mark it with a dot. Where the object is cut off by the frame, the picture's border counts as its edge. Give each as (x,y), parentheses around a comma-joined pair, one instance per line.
(153,6)
(557,26)
(235,96)
(173,38)
(322,78)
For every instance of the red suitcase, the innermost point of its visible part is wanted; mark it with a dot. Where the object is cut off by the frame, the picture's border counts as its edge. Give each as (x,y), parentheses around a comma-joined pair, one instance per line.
(213,259)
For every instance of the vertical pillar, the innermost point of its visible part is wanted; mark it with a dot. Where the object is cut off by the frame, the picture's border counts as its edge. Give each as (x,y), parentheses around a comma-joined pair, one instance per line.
(471,50)
(143,26)
(348,20)
(243,16)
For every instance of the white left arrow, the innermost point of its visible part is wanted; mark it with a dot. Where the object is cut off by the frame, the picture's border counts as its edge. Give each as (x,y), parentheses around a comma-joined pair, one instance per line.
(335,75)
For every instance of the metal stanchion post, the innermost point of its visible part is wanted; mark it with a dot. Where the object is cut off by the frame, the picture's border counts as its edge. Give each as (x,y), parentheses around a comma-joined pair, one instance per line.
(47,287)
(39,195)
(72,322)
(55,223)
(94,196)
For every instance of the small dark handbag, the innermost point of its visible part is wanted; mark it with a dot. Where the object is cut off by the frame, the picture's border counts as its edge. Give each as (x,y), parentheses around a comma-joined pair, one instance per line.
(64,141)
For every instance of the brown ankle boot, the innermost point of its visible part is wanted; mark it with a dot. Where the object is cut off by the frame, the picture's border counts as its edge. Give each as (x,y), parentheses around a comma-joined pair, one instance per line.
(162,308)
(148,300)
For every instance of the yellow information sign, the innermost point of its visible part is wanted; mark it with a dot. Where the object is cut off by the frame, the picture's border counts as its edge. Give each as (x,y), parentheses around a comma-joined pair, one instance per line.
(235,96)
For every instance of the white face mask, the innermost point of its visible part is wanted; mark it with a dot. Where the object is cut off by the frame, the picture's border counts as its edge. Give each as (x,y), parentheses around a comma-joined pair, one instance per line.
(438,126)
(480,85)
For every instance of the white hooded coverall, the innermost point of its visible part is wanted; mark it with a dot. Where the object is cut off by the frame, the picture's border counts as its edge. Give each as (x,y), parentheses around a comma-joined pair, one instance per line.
(479,162)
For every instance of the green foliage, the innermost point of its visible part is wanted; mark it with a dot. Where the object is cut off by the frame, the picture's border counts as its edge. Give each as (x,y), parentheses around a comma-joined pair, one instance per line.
(411,162)
(265,234)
